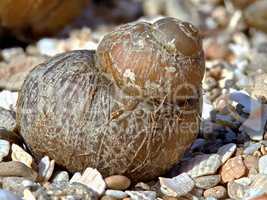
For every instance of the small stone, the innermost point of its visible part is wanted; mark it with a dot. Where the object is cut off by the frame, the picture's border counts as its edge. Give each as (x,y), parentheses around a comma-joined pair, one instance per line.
(177,186)
(28,195)
(236,190)
(93,180)
(46,168)
(206,182)
(118,194)
(105,197)
(144,195)
(251,148)
(14,184)
(7,195)
(263,165)
(142,186)
(62,176)
(201,165)
(117,182)
(246,181)
(18,154)
(4,149)
(251,162)
(14,168)
(234,168)
(66,191)
(76,177)
(7,117)
(217,192)
(226,151)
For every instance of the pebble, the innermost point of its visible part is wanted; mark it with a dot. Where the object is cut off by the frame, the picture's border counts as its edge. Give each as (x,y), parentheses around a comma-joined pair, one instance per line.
(142,186)
(93,180)
(76,177)
(14,185)
(67,191)
(236,190)
(234,168)
(117,182)
(251,148)
(218,192)
(202,165)
(7,195)
(62,176)
(144,195)
(7,118)
(259,183)
(118,194)
(46,168)
(246,181)
(263,165)
(251,162)
(18,154)
(14,168)
(206,182)
(28,195)
(226,151)
(105,197)
(177,186)
(4,149)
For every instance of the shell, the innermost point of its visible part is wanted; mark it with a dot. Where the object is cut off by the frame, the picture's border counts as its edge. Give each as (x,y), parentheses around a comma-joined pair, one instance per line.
(226,151)
(145,195)
(38,18)
(93,180)
(152,60)
(79,116)
(202,165)
(177,186)
(18,154)
(46,168)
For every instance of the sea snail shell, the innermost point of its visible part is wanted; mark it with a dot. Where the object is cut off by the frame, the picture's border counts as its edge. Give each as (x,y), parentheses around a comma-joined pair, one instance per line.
(131,107)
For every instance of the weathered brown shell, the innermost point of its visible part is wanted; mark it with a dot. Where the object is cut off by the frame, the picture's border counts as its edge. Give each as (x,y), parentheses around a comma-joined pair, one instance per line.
(37,18)
(72,111)
(159,60)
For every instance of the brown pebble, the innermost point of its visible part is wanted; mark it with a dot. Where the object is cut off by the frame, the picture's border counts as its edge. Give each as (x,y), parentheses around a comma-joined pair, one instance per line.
(118,182)
(15,168)
(251,162)
(233,169)
(169,198)
(218,192)
(127,198)
(105,197)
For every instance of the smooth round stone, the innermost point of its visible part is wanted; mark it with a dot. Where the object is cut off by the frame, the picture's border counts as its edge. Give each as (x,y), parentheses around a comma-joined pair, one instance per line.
(116,194)
(206,182)
(217,192)
(62,176)
(118,182)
